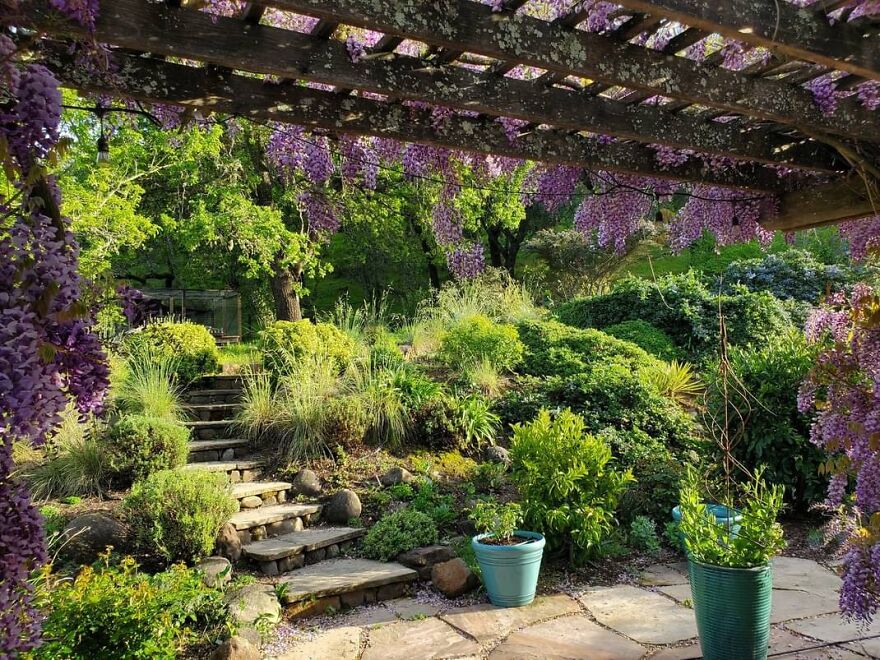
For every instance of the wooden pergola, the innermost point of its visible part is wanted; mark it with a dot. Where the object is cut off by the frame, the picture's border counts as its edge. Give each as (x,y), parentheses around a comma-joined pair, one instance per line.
(587,84)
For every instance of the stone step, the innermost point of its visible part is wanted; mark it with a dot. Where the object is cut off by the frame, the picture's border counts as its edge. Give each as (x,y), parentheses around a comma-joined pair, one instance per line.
(226,449)
(212,412)
(200,397)
(338,583)
(255,494)
(270,521)
(210,430)
(220,382)
(308,546)
(244,470)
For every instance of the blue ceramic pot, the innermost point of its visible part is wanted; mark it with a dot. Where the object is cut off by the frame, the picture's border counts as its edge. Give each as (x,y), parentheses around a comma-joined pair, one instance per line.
(510,572)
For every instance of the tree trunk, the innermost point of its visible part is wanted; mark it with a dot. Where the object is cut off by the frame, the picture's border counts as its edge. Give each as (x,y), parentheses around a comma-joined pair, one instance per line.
(433,271)
(284,292)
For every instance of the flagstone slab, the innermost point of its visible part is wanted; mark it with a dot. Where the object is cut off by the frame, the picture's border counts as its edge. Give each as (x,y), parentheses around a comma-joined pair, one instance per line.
(334,644)
(566,638)
(661,575)
(832,628)
(804,575)
(644,616)
(486,622)
(782,642)
(680,592)
(429,639)
(410,608)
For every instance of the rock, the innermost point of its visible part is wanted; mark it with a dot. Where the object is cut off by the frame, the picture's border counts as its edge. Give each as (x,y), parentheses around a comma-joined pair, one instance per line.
(306,482)
(397,475)
(342,507)
(216,571)
(251,502)
(496,454)
(254,602)
(236,648)
(228,543)
(453,578)
(89,535)
(423,559)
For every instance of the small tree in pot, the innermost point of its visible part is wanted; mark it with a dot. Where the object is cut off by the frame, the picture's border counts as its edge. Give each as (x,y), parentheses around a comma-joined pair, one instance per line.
(509,558)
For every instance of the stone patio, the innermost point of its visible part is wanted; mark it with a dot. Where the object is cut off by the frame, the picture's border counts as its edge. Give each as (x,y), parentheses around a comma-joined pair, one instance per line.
(650,620)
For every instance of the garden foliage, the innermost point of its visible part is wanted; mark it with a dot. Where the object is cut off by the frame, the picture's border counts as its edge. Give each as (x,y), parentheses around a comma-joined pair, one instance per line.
(139,445)
(644,335)
(569,484)
(398,532)
(284,343)
(176,514)
(685,309)
(477,338)
(116,611)
(189,346)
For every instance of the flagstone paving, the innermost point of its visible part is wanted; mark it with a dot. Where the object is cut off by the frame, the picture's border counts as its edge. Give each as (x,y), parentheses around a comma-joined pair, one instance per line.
(653,620)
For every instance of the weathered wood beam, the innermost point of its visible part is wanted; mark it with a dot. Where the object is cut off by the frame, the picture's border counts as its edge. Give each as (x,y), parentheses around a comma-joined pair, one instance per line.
(801,34)
(823,205)
(229,43)
(157,81)
(471,26)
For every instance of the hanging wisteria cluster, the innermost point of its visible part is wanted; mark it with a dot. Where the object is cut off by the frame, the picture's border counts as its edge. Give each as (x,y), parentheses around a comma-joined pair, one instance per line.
(48,355)
(844,390)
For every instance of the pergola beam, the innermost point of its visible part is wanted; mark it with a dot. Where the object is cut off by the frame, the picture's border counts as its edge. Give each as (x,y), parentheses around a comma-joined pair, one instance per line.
(229,43)
(470,26)
(824,205)
(158,81)
(799,33)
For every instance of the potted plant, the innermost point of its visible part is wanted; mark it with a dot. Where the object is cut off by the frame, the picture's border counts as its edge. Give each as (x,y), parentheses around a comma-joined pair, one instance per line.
(509,558)
(731,573)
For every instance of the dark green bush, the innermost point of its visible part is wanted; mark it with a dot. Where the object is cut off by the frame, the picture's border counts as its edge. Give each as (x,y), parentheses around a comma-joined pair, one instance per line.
(398,532)
(118,612)
(684,308)
(478,338)
(190,347)
(285,342)
(176,514)
(568,482)
(139,445)
(774,433)
(645,336)
(556,349)
(606,395)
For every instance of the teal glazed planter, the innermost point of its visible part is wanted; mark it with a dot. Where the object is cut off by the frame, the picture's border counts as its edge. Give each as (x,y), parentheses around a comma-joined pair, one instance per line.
(732,608)
(724,516)
(510,572)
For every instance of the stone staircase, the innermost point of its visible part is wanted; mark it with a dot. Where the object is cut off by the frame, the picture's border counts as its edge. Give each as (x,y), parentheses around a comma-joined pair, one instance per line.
(280,537)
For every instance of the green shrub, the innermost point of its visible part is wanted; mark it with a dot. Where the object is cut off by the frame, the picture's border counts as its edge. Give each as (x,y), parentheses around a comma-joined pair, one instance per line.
(477,338)
(176,514)
(568,483)
(285,343)
(606,395)
(384,350)
(685,309)
(676,381)
(643,535)
(53,520)
(139,446)
(118,612)
(556,349)
(189,345)
(399,532)
(769,429)
(478,422)
(645,336)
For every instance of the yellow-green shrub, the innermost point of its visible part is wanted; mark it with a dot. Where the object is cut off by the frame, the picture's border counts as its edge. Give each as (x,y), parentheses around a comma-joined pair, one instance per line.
(190,347)
(287,342)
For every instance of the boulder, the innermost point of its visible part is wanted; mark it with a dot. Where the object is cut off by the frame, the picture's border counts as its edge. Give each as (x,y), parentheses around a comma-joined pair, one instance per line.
(251,502)
(236,648)
(396,475)
(342,507)
(306,482)
(496,454)
(228,543)
(254,602)
(89,535)
(423,559)
(216,571)
(453,578)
